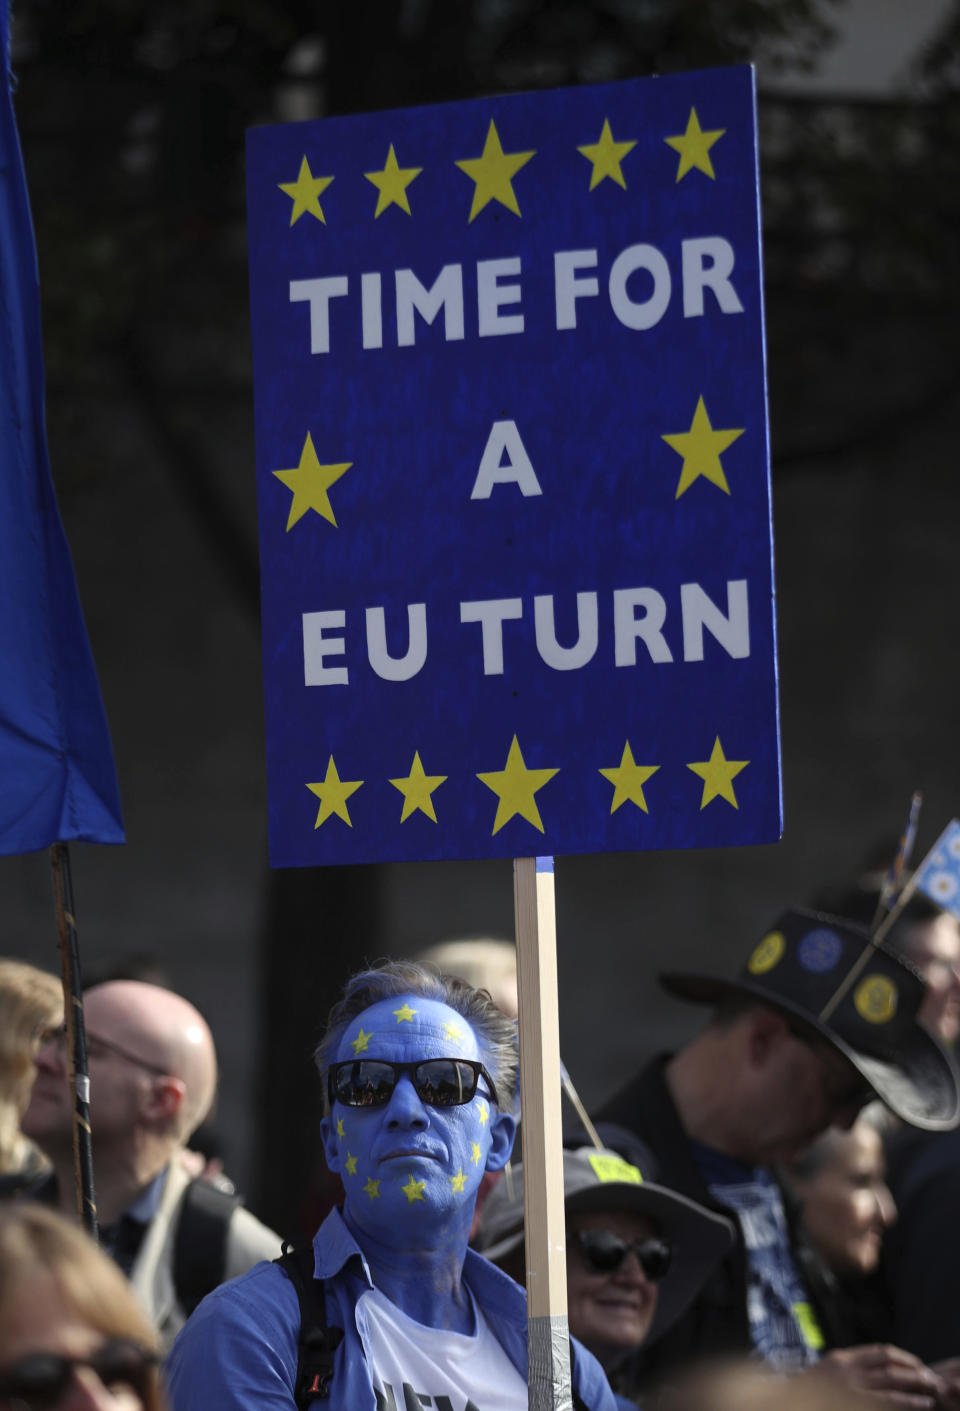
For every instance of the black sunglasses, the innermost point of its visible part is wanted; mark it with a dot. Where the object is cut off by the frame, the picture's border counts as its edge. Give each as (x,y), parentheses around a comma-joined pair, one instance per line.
(605,1253)
(40,1382)
(441,1082)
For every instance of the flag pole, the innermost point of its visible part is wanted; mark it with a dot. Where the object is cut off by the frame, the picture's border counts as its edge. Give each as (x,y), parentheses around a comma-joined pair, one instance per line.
(548,1366)
(876,938)
(76,1036)
(890,891)
(895,911)
(579,1108)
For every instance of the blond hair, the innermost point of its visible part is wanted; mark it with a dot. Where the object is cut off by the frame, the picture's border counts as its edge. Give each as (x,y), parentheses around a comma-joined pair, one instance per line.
(735,1384)
(31,1001)
(34,1238)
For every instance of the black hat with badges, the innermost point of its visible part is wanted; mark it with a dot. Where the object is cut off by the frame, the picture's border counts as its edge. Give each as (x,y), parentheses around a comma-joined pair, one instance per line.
(830,978)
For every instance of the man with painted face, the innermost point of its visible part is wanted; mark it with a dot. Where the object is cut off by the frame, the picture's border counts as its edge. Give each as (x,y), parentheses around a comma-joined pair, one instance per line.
(419,1072)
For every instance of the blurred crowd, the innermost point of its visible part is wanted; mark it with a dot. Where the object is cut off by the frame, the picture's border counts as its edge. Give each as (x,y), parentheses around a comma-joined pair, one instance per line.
(768,1217)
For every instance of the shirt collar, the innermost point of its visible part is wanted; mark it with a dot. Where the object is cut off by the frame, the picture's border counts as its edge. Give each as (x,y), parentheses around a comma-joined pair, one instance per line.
(494,1289)
(147,1202)
(334,1246)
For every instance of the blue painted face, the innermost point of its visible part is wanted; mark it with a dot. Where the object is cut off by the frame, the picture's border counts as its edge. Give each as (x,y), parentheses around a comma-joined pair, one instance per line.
(408,1164)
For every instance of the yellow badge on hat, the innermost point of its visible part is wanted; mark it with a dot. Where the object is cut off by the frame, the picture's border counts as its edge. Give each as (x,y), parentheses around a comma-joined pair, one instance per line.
(614,1168)
(767,954)
(875,999)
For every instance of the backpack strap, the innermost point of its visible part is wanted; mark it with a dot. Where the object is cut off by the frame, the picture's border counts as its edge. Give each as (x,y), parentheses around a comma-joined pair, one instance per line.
(200,1244)
(317,1341)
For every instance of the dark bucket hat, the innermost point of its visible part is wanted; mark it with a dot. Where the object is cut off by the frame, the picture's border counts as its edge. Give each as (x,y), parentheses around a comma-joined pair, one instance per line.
(827,975)
(603,1180)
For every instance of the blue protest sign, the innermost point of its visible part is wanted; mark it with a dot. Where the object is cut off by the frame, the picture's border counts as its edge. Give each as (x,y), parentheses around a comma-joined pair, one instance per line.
(513,476)
(56,763)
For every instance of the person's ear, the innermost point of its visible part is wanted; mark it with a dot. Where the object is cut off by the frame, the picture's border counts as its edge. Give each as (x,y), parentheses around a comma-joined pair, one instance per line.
(166,1098)
(503,1130)
(765,1033)
(331,1142)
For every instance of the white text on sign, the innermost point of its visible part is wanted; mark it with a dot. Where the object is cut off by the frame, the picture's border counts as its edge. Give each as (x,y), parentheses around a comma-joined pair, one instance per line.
(639,617)
(706,266)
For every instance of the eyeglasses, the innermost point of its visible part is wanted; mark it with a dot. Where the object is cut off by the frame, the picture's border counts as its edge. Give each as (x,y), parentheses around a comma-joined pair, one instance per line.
(440,1082)
(40,1381)
(605,1253)
(58,1037)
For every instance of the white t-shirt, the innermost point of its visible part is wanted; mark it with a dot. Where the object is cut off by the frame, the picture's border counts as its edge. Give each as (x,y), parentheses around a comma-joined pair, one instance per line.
(413,1366)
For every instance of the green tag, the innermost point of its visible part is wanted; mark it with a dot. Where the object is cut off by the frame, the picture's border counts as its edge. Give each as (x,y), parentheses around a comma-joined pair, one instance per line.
(809,1327)
(614,1168)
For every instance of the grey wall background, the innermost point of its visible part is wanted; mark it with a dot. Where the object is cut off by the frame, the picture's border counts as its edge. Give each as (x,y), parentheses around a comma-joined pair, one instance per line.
(152,448)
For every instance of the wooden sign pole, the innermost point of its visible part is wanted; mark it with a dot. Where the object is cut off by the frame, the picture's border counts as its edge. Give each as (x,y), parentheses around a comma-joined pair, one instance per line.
(548,1373)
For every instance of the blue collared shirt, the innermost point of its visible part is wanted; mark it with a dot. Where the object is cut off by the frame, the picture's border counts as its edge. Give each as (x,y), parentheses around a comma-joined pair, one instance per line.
(238,1351)
(122,1239)
(147,1202)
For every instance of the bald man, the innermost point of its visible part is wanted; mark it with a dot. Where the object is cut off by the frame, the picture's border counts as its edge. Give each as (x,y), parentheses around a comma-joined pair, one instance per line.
(153,1076)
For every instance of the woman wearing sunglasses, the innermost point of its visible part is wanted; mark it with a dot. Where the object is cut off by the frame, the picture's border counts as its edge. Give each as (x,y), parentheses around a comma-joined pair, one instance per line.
(72,1335)
(637,1253)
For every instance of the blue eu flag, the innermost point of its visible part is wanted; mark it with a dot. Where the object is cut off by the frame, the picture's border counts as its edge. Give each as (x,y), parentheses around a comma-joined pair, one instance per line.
(57,777)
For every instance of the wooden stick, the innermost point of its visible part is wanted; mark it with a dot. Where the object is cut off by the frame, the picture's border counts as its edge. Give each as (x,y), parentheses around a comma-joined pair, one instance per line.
(896,910)
(579,1108)
(890,890)
(548,1375)
(844,988)
(76,1036)
(875,941)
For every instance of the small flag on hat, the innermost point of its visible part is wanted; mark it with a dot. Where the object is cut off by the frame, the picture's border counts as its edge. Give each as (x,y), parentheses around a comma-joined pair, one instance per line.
(893,882)
(938,876)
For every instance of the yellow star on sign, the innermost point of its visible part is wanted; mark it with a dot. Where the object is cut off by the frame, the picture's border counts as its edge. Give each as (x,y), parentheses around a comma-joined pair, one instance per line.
(492,172)
(701,448)
(475,1148)
(340,1127)
(694,147)
(515,786)
(628,780)
(405,1013)
(333,793)
(392,184)
(457,1181)
(417,789)
(310,482)
(718,774)
(351,1165)
(362,1042)
(606,156)
(413,1190)
(372,1189)
(306,192)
